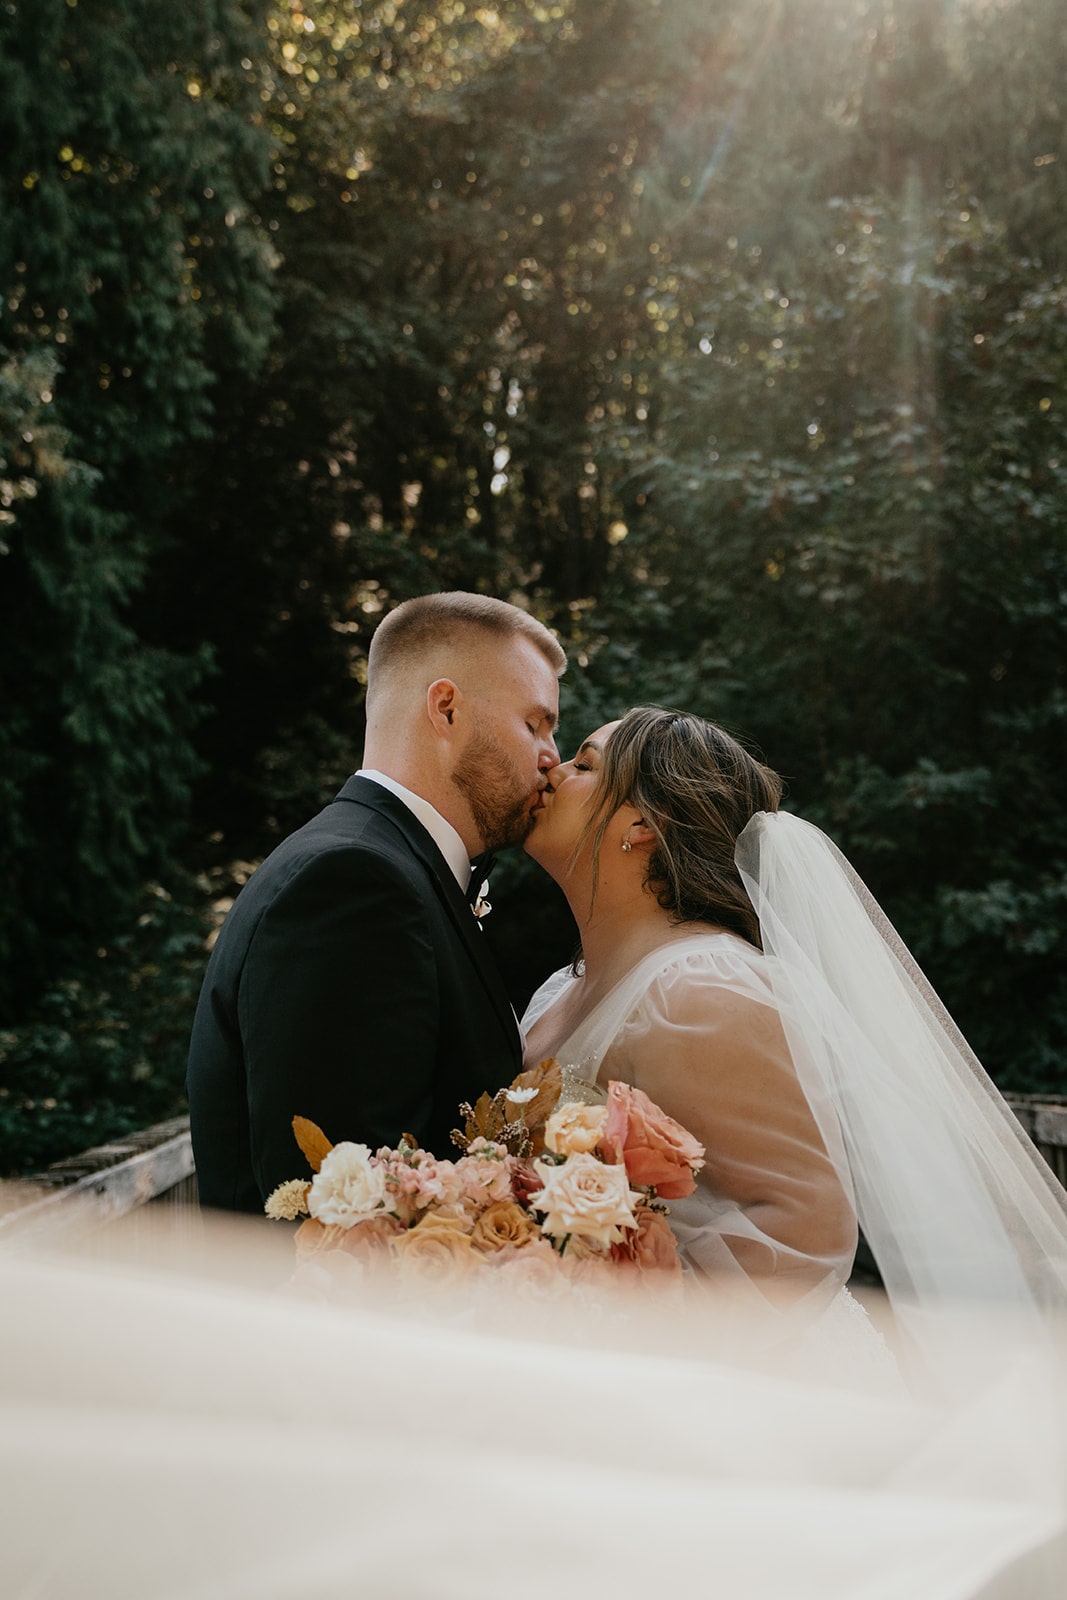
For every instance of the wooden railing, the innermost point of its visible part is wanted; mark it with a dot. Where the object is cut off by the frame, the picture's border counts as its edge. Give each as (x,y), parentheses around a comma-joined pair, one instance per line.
(154,1167)
(84,1193)
(1044,1116)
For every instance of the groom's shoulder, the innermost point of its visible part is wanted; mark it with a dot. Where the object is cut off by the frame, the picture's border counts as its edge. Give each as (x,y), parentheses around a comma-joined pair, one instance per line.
(353,826)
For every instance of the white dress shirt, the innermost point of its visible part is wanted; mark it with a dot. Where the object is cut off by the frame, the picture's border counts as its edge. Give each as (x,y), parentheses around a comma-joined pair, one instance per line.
(441,832)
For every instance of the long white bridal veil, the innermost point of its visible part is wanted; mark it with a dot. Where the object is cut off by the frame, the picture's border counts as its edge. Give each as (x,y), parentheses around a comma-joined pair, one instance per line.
(954,1200)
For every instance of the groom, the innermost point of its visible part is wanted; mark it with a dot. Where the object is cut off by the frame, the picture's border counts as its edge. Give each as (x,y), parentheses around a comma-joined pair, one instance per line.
(350,983)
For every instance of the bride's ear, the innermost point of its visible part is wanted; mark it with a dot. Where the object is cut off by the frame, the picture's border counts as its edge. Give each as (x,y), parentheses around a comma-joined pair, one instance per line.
(639,833)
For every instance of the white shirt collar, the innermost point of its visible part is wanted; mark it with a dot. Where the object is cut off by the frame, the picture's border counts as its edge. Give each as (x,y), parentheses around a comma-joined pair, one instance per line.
(441,832)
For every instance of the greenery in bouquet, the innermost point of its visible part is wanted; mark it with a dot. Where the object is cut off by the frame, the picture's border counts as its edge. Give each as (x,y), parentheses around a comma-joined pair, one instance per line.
(543,1191)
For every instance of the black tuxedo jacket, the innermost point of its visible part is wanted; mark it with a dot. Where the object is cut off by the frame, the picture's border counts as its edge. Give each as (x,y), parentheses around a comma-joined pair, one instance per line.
(350,984)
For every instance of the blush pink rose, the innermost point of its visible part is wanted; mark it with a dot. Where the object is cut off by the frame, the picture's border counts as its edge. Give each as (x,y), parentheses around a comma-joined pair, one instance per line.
(651,1246)
(657,1151)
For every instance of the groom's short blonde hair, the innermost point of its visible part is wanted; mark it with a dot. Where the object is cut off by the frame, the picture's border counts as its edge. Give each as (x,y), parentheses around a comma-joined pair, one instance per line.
(436,624)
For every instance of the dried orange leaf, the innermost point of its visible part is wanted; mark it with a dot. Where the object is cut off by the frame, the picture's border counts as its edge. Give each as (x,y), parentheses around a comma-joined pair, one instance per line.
(487,1119)
(547,1079)
(314,1145)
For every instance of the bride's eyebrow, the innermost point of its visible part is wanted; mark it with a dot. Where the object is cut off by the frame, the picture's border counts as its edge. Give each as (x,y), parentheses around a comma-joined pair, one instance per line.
(590,744)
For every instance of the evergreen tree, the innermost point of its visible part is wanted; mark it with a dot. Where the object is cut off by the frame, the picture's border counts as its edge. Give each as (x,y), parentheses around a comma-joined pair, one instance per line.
(133,271)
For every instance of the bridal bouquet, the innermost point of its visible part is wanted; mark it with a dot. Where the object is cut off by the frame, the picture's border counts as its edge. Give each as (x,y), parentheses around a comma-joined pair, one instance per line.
(542,1191)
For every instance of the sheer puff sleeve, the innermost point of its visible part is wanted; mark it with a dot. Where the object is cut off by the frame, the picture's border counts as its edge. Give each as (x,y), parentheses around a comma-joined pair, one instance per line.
(774,1203)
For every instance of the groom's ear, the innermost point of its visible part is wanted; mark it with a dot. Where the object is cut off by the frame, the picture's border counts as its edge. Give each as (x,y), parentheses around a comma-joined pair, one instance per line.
(443,700)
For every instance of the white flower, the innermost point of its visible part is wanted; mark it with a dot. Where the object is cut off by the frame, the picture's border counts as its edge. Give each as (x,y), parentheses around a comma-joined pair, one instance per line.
(349,1187)
(585,1197)
(521,1097)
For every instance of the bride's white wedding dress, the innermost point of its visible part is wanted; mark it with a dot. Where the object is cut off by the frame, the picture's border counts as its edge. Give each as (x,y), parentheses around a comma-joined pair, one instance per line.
(771,1225)
(829,1087)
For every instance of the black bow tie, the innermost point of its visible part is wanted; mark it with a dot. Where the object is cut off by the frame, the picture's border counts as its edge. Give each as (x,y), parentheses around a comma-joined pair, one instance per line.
(481,867)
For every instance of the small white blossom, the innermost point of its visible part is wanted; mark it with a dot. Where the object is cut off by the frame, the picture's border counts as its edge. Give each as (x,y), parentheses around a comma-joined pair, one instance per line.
(521,1097)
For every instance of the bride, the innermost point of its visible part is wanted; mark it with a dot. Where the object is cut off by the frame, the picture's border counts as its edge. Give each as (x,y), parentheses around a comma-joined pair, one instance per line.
(735,969)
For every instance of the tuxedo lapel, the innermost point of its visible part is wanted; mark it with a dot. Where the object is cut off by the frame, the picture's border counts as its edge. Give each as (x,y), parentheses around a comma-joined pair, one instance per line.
(365,792)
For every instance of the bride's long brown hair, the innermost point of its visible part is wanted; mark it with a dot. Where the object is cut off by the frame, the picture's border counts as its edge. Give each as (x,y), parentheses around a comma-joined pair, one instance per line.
(695,788)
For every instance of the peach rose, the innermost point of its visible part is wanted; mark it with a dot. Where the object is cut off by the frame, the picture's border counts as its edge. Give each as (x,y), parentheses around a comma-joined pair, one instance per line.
(312,1237)
(597,1272)
(580,1248)
(371,1239)
(575,1129)
(503,1225)
(651,1246)
(533,1271)
(436,1247)
(583,1196)
(657,1151)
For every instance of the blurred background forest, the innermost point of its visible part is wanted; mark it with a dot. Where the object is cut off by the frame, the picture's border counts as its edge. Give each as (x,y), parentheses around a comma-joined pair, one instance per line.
(728,336)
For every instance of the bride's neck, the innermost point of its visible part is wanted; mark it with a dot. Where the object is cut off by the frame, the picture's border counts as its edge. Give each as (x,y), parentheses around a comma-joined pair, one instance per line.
(616,931)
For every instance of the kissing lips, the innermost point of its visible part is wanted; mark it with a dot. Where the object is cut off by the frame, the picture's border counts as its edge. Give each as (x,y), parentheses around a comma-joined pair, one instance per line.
(539,802)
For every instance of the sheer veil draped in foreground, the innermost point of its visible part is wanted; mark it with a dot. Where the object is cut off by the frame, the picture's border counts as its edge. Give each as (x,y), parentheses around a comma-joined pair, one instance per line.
(169,1429)
(953,1198)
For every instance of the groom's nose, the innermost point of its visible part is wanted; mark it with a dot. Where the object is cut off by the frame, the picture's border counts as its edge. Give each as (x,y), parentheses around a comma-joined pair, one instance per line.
(549,757)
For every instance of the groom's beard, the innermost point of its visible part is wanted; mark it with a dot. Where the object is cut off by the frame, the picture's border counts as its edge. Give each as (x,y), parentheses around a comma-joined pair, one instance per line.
(500,799)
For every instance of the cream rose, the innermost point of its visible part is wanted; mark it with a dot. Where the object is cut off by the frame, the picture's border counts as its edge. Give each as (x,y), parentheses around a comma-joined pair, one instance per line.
(575,1129)
(349,1187)
(585,1197)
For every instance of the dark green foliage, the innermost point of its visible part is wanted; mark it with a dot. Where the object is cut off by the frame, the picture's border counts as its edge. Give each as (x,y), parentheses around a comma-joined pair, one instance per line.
(730,336)
(104,1050)
(132,272)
